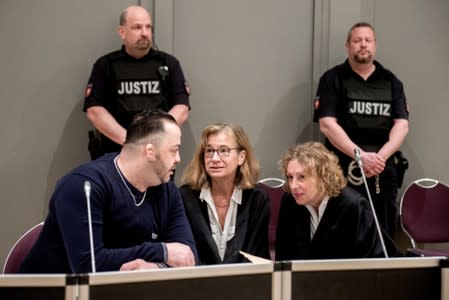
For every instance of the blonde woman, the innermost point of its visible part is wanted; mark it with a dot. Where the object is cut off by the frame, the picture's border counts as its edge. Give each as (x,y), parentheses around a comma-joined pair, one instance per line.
(226,213)
(321,218)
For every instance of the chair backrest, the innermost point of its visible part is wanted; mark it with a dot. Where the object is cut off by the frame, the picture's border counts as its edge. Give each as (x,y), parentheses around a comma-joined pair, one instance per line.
(20,249)
(424,211)
(274,188)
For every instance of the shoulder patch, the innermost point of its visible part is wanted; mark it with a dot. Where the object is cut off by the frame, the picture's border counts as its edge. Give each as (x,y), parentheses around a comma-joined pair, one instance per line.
(187,88)
(88,90)
(316,103)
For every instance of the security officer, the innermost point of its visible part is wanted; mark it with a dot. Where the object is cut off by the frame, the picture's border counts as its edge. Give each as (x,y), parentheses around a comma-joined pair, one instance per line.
(360,104)
(137,77)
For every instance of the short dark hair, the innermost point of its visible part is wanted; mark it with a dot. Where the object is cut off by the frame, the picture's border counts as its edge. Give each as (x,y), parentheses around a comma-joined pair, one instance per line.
(147,124)
(357,25)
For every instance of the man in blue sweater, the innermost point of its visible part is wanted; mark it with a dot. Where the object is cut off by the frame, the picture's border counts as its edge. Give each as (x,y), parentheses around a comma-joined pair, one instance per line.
(138,220)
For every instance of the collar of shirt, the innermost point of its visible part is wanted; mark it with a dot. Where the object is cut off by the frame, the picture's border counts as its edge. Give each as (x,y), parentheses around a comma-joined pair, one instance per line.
(151,54)
(377,71)
(316,218)
(205,195)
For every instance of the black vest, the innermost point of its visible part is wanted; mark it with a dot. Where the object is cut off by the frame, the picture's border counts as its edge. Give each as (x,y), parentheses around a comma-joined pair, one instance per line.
(139,85)
(365,113)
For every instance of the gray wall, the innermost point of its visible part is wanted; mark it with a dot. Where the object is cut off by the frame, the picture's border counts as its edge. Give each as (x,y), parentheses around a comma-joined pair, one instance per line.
(48,48)
(247,62)
(254,62)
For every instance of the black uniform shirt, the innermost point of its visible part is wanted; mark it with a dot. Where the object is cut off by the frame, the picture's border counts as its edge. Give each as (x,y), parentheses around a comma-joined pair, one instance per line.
(100,89)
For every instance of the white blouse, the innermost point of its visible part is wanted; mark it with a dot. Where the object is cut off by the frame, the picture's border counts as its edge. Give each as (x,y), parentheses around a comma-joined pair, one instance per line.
(222,235)
(316,218)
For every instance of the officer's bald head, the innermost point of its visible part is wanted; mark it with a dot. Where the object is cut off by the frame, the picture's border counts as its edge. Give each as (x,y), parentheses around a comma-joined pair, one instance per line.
(131,10)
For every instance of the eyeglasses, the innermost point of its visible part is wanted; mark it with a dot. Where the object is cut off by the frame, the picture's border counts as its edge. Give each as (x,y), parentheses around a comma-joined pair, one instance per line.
(222,151)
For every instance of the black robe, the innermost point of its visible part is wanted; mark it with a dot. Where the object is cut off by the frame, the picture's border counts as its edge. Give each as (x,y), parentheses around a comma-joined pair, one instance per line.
(251,232)
(346,230)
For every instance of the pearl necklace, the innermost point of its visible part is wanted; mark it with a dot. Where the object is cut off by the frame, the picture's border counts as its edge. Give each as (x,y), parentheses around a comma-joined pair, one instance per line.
(124,182)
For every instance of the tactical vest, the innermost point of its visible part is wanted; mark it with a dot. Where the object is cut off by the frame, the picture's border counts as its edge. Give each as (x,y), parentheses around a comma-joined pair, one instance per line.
(366,113)
(139,85)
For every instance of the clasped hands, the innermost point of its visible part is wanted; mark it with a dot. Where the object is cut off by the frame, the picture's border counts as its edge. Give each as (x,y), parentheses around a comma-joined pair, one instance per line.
(373,163)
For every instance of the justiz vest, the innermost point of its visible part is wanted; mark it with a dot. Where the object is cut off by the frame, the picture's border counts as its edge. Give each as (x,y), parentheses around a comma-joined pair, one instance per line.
(139,85)
(366,111)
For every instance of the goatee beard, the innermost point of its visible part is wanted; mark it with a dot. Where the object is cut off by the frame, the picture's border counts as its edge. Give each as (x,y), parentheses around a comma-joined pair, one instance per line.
(143,45)
(363,60)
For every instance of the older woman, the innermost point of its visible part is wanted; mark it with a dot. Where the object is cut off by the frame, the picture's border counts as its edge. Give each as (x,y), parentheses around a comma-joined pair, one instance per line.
(321,218)
(226,213)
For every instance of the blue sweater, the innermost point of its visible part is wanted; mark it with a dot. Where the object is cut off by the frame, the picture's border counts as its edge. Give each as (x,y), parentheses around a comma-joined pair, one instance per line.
(122,231)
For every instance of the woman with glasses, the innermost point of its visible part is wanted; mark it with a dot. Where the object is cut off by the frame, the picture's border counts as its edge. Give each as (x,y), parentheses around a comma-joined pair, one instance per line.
(226,213)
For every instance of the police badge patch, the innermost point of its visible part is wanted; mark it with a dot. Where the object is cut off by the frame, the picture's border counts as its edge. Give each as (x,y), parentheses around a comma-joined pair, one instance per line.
(187,88)
(316,103)
(88,90)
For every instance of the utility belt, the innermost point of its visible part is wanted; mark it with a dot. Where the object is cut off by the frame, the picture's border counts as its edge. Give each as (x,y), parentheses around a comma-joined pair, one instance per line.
(401,165)
(94,145)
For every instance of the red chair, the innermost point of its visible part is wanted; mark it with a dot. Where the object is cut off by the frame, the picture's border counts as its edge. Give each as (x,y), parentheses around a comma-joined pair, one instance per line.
(424,215)
(20,249)
(274,188)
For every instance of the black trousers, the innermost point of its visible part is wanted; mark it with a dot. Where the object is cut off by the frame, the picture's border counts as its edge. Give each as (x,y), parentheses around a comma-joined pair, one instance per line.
(385,201)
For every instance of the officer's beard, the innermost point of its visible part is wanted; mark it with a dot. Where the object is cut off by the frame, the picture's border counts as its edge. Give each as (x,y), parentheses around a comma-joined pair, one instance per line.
(143,44)
(363,59)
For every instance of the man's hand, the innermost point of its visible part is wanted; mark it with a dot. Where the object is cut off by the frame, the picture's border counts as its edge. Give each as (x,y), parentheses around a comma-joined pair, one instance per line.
(179,255)
(138,264)
(373,163)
